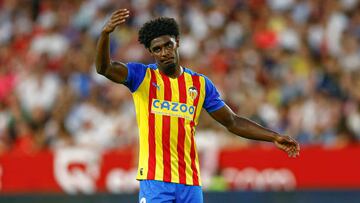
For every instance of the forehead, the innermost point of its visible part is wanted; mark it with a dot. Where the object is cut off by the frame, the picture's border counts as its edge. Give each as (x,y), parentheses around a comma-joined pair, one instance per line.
(158,41)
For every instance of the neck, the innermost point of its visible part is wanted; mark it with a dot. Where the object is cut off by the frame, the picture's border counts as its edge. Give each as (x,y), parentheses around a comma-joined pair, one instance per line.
(172,72)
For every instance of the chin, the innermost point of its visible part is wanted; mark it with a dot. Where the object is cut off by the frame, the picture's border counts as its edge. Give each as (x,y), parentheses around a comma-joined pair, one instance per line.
(170,68)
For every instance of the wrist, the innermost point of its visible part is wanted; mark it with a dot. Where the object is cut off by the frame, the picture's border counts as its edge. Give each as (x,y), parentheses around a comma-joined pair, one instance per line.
(276,137)
(105,32)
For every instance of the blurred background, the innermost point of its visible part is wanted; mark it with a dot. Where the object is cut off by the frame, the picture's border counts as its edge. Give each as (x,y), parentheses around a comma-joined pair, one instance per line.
(69,135)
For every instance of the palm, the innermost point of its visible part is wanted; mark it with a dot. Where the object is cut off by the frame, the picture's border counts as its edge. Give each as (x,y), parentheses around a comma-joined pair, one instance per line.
(117,18)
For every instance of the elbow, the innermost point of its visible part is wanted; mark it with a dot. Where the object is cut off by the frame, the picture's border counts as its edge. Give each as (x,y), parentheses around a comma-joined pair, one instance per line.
(236,126)
(230,125)
(101,64)
(231,128)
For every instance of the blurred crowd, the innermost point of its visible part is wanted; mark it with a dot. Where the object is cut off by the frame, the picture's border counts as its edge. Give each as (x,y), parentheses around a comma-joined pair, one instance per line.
(290,65)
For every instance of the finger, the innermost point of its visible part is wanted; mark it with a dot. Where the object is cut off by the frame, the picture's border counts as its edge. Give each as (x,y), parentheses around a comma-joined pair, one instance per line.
(290,154)
(293,154)
(119,22)
(294,149)
(114,16)
(120,17)
(287,148)
(282,147)
(120,14)
(120,11)
(114,20)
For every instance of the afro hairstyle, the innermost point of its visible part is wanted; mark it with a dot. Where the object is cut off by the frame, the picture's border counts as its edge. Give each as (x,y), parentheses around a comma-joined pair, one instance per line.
(156,28)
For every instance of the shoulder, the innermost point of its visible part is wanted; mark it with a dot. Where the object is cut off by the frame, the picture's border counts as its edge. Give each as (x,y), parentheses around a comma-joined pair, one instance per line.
(137,69)
(196,74)
(201,76)
(141,65)
(191,72)
(136,74)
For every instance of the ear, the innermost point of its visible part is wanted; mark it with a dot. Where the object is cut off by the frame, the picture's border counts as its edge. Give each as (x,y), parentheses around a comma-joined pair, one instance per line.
(149,51)
(177,40)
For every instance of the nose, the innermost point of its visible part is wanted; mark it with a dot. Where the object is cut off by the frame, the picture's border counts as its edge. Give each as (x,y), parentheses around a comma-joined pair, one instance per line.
(163,52)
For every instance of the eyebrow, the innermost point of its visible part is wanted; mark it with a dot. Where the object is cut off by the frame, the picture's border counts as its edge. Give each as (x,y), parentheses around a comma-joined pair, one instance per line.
(163,44)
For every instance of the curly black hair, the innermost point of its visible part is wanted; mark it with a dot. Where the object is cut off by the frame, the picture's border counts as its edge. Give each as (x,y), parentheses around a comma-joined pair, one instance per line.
(156,28)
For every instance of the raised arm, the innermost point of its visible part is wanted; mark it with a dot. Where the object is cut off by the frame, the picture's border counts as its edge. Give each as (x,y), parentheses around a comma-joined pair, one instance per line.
(248,129)
(113,70)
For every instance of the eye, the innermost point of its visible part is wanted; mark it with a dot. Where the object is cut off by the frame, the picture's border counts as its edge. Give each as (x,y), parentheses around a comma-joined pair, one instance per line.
(169,45)
(156,49)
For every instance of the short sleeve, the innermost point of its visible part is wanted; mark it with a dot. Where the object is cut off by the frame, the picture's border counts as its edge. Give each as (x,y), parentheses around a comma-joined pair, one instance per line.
(136,74)
(213,100)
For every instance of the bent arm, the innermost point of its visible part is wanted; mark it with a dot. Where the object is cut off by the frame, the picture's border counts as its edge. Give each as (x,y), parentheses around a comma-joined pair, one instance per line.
(113,70)
(242,126)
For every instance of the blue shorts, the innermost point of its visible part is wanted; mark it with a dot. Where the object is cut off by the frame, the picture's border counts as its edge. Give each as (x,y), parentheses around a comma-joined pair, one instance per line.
(153,191)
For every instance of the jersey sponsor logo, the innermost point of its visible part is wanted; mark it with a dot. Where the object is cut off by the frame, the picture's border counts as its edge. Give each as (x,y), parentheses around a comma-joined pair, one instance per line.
(193,93)
(170,108)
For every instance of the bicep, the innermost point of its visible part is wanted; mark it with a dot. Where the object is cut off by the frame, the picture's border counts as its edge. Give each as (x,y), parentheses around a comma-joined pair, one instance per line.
(224,116)
(117,72)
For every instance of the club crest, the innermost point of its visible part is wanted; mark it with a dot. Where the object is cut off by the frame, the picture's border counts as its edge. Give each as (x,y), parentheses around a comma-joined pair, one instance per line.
(193,93)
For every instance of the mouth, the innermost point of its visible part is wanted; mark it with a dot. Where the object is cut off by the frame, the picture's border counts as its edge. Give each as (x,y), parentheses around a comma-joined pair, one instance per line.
(167,61)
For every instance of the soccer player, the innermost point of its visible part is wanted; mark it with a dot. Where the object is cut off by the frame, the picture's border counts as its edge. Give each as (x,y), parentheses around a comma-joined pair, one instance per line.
(168,100)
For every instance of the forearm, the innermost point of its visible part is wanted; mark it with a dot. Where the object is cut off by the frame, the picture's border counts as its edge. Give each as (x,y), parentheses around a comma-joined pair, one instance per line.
(102,60)
(248,129)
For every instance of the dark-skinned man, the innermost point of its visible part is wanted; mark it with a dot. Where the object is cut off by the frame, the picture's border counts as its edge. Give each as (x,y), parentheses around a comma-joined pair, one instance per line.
(168,100)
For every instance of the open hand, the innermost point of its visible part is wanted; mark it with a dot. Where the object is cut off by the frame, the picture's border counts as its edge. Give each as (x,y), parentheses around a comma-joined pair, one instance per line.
(117,18)
(288,145)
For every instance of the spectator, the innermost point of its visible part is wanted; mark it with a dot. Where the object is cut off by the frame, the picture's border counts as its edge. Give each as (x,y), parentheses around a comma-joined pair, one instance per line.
(292,65)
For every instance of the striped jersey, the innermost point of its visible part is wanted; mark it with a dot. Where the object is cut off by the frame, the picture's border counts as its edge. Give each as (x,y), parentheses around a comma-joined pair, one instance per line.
(167,112)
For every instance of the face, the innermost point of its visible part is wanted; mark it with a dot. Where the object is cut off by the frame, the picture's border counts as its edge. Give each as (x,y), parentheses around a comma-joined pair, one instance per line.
(164,49)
